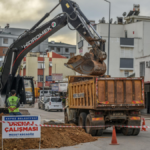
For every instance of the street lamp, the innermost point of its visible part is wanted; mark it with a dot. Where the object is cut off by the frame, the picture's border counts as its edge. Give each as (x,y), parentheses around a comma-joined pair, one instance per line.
(43,73)
(108,37)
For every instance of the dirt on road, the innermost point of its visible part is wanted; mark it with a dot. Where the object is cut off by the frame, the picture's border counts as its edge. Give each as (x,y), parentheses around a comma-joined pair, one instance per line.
(50,138)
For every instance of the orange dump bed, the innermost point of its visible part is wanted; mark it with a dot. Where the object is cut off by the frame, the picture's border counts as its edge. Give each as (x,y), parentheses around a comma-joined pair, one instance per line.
(106,93)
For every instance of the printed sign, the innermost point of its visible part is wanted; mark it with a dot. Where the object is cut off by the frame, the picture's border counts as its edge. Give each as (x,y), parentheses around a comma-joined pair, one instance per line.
(21,127)
(55,87)
(79,95)
(63,87)
(48,78)
(80,50)
(57,77)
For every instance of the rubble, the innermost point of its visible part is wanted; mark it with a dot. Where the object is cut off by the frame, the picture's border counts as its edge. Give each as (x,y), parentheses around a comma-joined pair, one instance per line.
(50,138)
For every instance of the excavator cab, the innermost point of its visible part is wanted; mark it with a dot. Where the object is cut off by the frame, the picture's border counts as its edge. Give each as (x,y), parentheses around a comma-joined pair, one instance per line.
(24,90)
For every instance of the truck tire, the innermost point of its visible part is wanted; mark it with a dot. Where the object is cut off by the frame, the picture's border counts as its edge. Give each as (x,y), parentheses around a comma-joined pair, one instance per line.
(88,129)
(127,131)
(136,132)
(99,132)
(82,119)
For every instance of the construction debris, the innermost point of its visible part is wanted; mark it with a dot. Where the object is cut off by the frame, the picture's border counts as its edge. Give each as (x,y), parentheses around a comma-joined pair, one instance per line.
(50,138)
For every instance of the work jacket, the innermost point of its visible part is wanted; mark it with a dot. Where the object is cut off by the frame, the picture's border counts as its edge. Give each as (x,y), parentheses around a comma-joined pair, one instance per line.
(12,102)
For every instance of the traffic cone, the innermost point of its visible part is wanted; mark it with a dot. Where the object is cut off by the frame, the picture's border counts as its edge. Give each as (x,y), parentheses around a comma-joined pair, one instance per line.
(143,124)
(114,138)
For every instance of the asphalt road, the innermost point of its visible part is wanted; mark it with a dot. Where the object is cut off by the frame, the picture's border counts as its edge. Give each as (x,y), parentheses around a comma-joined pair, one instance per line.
(46,115)
(140,142)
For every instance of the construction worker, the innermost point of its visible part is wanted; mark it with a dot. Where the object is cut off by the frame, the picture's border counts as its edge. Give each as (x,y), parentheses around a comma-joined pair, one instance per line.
(13,104)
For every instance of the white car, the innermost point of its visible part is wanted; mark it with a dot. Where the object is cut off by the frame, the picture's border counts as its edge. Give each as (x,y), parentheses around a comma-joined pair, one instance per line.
(46,93)
(53,103)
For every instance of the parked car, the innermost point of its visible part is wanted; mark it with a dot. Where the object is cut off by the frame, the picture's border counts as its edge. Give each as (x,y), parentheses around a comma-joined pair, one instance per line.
(41,103)
(46,93)
(53,103)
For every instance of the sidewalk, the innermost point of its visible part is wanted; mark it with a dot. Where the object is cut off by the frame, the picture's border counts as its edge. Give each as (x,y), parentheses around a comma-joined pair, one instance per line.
(146,116)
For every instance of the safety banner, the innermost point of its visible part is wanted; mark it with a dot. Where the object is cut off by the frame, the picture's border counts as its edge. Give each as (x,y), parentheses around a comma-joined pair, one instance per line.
(21,127)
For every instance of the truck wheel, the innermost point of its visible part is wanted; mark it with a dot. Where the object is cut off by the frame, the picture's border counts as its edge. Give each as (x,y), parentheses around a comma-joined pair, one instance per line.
(136,132)
(88,129)
(127,131)
(99,132)
(82,119)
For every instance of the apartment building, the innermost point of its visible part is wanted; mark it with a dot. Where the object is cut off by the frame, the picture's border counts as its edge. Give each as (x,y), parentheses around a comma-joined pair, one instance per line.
(51,63)
(63,49)
(9,35)
(129,45)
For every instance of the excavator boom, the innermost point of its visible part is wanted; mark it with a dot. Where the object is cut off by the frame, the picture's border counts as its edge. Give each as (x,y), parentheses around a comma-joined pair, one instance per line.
(92,63)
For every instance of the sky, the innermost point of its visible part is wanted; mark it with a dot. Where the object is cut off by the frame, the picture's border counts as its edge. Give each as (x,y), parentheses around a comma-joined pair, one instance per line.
(25,13)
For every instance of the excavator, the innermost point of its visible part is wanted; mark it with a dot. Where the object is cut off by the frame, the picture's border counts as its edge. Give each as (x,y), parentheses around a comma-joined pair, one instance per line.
(92,63)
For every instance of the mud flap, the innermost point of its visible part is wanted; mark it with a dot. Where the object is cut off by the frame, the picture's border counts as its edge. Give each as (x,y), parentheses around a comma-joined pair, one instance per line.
(98,121)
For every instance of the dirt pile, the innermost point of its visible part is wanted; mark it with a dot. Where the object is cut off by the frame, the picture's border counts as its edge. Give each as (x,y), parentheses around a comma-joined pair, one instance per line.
(50,138)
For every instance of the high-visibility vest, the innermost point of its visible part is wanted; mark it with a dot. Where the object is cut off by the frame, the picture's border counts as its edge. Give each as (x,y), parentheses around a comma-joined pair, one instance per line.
(12,103)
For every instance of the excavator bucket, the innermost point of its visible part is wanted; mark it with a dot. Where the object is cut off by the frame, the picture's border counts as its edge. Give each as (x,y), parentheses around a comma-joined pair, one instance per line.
(86,65)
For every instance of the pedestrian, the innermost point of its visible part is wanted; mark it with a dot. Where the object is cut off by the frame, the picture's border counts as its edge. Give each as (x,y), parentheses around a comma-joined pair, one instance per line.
(13,103)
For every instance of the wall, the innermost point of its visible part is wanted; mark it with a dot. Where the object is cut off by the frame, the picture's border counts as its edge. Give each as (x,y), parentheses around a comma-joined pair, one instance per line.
(137,28)
(59,67)
(31,67)
(137,67)
(115,30)
(146,40)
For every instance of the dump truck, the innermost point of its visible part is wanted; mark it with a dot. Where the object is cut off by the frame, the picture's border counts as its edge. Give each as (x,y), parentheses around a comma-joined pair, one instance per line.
(103,102)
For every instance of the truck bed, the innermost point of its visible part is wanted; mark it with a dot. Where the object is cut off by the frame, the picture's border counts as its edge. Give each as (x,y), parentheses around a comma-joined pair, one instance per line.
(88,92)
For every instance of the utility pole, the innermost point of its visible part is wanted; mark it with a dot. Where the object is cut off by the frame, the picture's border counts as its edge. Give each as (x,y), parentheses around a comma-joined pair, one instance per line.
(108,37)
(43,74)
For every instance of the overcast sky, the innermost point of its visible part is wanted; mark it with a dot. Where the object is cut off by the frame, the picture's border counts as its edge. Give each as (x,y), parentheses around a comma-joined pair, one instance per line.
(25,13)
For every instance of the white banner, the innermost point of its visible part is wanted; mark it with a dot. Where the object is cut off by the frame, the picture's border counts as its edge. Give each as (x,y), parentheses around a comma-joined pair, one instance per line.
(21,127)
(63,87)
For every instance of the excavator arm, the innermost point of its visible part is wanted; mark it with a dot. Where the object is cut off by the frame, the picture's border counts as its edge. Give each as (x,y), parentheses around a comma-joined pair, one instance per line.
(91,63)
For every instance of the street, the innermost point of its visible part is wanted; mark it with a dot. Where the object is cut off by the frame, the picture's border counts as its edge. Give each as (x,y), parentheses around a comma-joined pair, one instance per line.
(140,142)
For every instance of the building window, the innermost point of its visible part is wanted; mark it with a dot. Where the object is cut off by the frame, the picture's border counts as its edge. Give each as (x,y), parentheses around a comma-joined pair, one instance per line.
(142,69)
(52,48)
(58,50)
(40,79)
(80,44)
(41,65)
(66,50)
(127,42)
(126,73)
(126,63)
(5,50)
(5,40)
